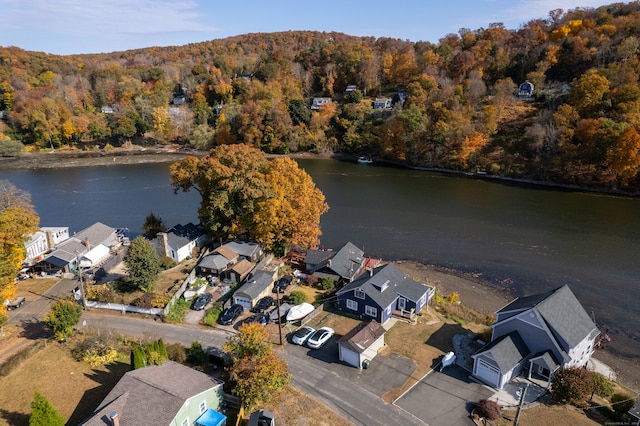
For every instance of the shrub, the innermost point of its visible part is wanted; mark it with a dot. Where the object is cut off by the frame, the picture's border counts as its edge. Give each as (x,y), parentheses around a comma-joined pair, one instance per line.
(11,148)
(488,409)
(144,301)
(486,335)
(177,311)
(572,385)
(298,297)
(97,349)
(167,263)
(311,280)
(177,352)
(602,386)
(621,403)
(195,354)
(160,300)
(212,315)
(327,283)
(101,293)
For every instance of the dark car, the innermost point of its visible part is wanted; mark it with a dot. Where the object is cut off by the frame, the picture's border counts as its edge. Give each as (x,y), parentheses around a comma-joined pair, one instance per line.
(258,318)
(263,304)
(231,314)
(282,284)
(201,302)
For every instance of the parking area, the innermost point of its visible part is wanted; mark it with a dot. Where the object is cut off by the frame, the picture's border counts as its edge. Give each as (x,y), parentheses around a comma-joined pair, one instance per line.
(444,398)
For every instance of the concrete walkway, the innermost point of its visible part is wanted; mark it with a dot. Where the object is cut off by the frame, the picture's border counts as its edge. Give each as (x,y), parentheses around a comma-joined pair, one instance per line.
(509,396)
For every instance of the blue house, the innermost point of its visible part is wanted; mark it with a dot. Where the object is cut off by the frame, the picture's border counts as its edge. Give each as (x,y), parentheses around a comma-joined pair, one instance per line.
(381,293)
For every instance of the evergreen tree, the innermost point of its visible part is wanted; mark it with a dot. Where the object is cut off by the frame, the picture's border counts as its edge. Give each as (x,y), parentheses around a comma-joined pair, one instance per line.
(152,225)
(143,264)
(43,413)
(64,315)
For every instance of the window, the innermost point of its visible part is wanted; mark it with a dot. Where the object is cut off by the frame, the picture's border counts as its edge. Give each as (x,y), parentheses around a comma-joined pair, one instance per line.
(352,305)
(359,293)
(422,300)
(371,311)
(402,303)
(185,422)
(203,407)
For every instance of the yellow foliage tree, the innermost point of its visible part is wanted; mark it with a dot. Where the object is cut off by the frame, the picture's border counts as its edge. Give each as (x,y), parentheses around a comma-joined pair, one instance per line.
(472,144)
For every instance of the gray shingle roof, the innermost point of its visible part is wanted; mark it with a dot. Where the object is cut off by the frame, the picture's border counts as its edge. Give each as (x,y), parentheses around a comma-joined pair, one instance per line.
(245,249)
(346,262)
(363,335)
(260,281)
(180,236)
(152,395)
(507,351)
(385,284)
(96,233)
(214,261)
(561,311)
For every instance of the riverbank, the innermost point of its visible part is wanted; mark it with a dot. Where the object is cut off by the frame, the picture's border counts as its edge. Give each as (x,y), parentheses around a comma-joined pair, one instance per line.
(482,297)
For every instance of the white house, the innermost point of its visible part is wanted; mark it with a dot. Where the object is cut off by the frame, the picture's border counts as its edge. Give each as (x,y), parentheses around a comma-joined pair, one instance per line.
(359,346)
(542,332)
(178,242)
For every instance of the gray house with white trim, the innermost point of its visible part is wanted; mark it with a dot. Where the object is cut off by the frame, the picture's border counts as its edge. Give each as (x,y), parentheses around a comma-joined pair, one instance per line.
(344,264)
(381,293)
(538,333)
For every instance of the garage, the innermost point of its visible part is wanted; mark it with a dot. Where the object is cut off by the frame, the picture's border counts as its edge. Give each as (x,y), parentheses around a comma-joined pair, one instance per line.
(349,356)
(245,302)
(362,343)
(488,373)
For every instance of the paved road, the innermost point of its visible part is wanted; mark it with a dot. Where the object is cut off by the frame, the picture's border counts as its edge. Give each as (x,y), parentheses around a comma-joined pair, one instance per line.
(350,400)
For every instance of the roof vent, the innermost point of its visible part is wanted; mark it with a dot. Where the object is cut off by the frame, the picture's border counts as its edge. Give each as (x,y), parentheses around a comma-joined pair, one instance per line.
(115,420)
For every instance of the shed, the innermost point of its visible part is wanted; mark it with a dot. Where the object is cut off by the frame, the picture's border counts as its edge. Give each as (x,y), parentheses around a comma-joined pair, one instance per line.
(361,345)
(259,286)
(94,256)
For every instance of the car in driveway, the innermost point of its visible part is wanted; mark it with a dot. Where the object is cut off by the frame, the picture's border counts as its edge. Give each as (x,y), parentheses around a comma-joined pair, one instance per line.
(201,301)
(258,318)
(263,304)
(281,285)
(319,337)
(231,314)
(302,334)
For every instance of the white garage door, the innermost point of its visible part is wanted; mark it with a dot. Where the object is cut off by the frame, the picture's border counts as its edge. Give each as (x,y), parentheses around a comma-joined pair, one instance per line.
(244,301)
(349,356)
(488,373)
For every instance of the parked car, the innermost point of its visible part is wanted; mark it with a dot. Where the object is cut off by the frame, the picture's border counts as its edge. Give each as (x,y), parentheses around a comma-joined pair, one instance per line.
(319,337)
(281,285)
(231,314)
(263,304)
(15,304)
(302,334)
(259,318)
(201,302)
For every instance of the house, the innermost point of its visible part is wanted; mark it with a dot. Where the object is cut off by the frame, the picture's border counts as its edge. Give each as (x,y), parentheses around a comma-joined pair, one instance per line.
(178,242)
(359,346)
(107,109)
(167,394)
(217,263)
(634,414)
(344,264)
(525,90)
(382,103)
(256,288)
(541,333)
(69,253)
(350,88)
(246,250)
(179,100)
(318,102)
(383,291)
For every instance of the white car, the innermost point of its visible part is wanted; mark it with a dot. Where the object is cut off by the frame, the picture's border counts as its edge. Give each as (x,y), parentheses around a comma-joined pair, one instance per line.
(302,334)
(319,337)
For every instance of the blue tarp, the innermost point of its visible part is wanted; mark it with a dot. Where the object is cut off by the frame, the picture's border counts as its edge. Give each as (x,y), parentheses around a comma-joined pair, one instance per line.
(211,418)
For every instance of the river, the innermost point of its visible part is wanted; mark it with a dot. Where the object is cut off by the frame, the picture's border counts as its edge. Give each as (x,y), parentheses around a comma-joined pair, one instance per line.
(525,239)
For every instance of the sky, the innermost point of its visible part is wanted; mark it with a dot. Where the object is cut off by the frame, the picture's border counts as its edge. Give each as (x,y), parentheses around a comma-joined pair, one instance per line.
(97,26)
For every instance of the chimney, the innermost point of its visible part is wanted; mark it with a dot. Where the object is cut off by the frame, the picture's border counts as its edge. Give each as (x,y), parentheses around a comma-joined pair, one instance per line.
(115,420)
(163,244)
(50,242)
(87,244)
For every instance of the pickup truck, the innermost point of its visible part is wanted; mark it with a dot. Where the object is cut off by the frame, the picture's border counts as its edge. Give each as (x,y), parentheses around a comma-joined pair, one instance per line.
(15,304)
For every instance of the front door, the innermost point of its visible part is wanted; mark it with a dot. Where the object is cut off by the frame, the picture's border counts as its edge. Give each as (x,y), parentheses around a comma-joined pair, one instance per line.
(402,303)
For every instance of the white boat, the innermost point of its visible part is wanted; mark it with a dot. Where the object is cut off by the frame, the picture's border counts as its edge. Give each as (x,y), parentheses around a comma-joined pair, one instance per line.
(364,160)
(299,311)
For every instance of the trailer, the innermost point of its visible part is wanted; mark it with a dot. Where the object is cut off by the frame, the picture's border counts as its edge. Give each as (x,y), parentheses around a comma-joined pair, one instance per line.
(15,304)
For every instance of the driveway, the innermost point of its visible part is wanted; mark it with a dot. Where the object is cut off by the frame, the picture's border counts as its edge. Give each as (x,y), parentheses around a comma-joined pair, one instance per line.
(444,398)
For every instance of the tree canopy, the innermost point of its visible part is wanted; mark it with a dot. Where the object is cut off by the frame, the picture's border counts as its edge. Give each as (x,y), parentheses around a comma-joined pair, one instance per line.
(257,371)
(64,315)
(18,221)
(43,413)
(143,264)
(152,225)
(275,202)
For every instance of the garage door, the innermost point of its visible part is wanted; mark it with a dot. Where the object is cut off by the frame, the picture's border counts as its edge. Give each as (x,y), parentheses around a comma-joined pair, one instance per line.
(488,373)
(349,356)
(244,301)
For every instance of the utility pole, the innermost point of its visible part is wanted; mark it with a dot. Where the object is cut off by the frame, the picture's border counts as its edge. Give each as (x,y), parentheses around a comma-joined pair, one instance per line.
(279,315)
(520,404)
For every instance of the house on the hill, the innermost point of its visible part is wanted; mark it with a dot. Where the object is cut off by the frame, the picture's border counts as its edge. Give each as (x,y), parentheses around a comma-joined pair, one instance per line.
(382,292)
(382,103)
(342,265)
(525,90)
(538,333)
(316,103)
(167,394)
(178,242)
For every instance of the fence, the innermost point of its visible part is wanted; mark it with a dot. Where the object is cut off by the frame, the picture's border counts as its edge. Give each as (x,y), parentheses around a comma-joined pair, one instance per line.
(124,308)
(314,313)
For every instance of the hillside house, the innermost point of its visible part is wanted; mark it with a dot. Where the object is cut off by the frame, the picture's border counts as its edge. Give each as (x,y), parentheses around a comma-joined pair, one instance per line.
(179,242)
(382,103)
(316,103)
(342,265)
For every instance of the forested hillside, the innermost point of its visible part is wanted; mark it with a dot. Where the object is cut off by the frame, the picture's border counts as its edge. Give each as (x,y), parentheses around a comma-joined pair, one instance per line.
(454,104)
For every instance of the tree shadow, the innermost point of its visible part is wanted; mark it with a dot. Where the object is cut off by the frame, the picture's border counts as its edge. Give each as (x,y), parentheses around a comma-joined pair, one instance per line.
(13,418)
(34,329)
(91,399)
(443,338)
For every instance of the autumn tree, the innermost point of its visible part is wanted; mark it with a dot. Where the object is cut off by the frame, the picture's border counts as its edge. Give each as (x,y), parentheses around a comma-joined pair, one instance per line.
(143,264)
(572,385)
(256,370)
(43,413)
(64,315)
(17,221)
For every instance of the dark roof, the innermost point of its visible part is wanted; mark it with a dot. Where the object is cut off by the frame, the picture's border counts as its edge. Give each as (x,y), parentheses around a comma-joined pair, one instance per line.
(346,262)
(385,283)
(260,281)
(316,259)
(363,335)
(507,351)
(548,358)
(152,395)
(560,310)
(180,236)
